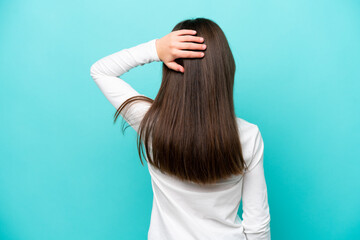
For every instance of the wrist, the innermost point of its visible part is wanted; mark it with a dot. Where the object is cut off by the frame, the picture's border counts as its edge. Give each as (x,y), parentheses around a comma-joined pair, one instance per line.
(157,48)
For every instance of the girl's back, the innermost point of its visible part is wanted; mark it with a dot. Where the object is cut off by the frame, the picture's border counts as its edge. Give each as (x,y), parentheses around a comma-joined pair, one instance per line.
(186,210)
(200,102)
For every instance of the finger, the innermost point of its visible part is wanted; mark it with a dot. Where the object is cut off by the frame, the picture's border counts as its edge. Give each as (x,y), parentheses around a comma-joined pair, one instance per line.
(190,39)
(175,66)
(189,54)
(193,46)
(185,31)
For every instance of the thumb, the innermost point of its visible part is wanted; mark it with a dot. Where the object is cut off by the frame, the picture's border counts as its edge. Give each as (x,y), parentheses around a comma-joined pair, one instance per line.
(175,66)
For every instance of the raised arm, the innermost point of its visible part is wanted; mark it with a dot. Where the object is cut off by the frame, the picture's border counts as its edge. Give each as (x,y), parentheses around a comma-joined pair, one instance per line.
(256,214)
(106,72)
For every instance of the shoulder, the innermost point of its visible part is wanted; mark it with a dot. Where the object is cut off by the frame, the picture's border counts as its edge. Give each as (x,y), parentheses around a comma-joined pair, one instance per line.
(249,134)
(247,129)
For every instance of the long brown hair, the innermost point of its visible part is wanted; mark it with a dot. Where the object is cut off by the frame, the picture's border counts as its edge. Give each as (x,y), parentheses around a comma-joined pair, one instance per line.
(192,122)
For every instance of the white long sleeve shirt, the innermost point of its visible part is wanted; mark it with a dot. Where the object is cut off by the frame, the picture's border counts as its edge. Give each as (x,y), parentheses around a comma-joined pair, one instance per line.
(185,210)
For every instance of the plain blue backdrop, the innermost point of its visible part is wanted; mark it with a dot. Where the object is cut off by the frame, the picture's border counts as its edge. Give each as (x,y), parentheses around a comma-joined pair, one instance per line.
(67,172)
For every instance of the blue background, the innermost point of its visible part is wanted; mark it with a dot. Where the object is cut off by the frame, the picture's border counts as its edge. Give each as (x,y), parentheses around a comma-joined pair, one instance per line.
(67,172)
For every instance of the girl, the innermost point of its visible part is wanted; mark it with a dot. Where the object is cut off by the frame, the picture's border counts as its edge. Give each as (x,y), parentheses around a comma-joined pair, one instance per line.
(202,159)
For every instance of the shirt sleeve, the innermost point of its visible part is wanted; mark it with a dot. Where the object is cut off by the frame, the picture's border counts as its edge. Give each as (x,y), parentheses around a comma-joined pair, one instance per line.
(256,214)
(106,73)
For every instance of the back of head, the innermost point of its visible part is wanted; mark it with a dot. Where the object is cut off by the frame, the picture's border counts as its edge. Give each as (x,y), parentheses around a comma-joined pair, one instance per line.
(214,73)
(192,122)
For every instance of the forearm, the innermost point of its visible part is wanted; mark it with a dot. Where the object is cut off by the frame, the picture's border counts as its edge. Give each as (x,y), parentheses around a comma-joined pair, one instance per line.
(106,73)
(256,211)
(122,61)
(258,236)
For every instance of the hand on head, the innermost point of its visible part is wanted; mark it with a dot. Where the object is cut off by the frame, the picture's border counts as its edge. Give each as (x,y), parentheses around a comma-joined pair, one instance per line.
(178,44)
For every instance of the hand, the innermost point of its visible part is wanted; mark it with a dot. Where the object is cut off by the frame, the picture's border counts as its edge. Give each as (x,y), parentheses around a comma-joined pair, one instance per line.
(170,47)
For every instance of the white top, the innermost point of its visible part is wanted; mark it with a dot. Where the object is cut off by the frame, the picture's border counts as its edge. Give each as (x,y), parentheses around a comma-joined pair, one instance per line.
(185,210)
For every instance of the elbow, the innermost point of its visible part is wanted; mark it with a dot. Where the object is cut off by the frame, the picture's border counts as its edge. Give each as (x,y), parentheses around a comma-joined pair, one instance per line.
(93,70)
(258,230)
